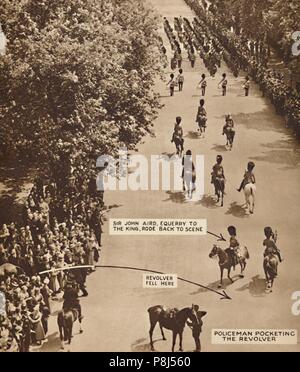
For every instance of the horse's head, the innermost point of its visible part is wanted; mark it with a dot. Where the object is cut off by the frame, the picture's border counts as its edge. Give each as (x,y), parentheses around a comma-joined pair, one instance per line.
(214,252)
(193,314)
(196,319)
(197,327)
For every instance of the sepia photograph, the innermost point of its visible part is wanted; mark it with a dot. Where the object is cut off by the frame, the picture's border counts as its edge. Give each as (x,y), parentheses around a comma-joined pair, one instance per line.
(149,178)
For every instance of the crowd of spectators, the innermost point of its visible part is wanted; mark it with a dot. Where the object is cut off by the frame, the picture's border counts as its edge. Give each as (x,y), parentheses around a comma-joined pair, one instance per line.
(62,228)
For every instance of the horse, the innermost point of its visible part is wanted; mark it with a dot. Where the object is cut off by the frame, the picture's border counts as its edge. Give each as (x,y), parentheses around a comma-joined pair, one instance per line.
(65,321)
(226,263)
(230,135)
(179,142)
(202,120)
(189,179)
(271,263)
(250,192)
(219,184)
(8,269)
(173,320)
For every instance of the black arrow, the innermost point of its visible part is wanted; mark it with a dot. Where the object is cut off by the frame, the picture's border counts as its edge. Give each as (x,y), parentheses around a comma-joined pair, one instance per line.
(220,237)
(224,295)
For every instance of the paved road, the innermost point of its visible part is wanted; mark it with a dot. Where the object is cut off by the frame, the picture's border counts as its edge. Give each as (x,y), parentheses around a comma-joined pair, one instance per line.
(116,316)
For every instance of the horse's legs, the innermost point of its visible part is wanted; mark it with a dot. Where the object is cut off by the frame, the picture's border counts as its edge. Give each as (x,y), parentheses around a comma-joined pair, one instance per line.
(229,277)
(80,326)
(221,282)
(253,203)
(162,332)
(180,344)
(174,341)
(243,267)
(70,334)
(62,337)
(153,324)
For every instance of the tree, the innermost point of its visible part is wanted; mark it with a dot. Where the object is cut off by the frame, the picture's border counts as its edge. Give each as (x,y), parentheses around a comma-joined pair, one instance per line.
(77,78)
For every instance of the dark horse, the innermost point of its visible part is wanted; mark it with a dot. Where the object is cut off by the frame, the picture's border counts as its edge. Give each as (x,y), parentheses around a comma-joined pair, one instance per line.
(65,321)
(226,262)
(230,135)
(219,184)
(173,320)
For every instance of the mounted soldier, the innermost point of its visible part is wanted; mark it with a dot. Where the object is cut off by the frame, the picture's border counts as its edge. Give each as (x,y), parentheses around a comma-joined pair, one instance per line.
(177,136)
(229,131)
(71,300)
(233,250)
(201,118)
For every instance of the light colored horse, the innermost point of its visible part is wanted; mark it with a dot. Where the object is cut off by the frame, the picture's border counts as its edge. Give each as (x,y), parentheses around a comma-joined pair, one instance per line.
(250,193)
(270,267)
(226,263)
(189,180)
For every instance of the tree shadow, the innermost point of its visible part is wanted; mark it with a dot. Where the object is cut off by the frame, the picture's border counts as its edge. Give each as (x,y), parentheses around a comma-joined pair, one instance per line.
(265,120)
(215,286)
(237,210)
(257,287)
(285,152)
(208,201)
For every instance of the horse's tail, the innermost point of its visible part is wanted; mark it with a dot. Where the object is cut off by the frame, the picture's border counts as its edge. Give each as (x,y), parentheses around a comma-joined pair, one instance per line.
(271,267)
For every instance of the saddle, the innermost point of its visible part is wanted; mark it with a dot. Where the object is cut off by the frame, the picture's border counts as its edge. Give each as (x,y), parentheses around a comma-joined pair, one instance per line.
(169,313)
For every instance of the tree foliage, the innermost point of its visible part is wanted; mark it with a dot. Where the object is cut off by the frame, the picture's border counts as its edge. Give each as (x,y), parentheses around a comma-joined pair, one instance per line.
(77,77)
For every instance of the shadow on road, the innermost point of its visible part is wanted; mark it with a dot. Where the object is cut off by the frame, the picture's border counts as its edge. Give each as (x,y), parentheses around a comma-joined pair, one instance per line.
(52,345)
(208,201)
(176,197)
(226,283)
(261,121)
(219,148)
(257,287)
(192,135)
(237,210)
(170,155)
(285,152)
(141,345)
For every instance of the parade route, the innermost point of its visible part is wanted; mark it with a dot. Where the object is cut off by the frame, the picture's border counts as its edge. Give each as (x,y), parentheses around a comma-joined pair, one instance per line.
(115,313)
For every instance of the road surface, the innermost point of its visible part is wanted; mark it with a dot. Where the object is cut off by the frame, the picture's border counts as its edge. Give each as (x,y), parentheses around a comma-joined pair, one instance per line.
(116,316)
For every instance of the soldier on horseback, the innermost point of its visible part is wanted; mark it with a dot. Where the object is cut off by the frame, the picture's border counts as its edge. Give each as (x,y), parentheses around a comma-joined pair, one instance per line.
(177,136)
(201,118)
(249,177)
(218,173)
(71,300)
(233,250)
(229,130)
(270,244)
